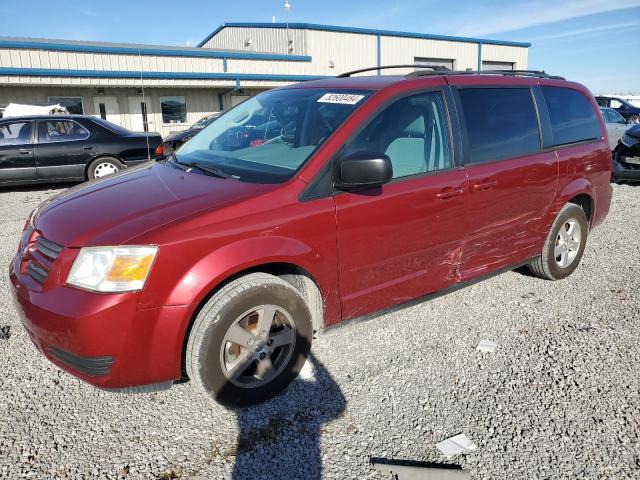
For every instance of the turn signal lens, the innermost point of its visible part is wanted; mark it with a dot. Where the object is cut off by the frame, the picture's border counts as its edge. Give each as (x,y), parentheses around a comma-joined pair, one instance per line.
(112,269)
(160,150)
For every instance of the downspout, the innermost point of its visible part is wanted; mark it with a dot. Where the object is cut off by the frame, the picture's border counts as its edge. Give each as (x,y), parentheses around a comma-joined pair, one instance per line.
(379,53)
(479,57)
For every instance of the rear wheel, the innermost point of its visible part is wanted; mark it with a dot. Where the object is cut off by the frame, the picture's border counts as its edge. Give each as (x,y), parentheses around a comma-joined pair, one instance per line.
(104,166)
(564,246)
(250,340)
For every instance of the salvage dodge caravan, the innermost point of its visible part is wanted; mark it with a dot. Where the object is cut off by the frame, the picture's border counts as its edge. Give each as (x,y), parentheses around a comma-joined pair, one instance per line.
(303,207)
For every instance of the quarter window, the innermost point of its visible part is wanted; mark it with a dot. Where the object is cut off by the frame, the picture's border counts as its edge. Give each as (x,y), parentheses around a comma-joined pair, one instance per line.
(72,104)
(501,123)
(61,131)
(174,109)
(16,133)
(413,132)
(572,117)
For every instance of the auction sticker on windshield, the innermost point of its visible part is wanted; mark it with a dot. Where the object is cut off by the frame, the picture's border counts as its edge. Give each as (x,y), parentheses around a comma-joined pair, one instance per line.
(344,98)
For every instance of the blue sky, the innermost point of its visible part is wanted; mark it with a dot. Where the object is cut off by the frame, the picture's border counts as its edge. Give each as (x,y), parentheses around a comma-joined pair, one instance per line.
(591,41)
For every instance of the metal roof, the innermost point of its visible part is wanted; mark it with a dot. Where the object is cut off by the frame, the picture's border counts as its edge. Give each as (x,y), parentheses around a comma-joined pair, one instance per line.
(365,31)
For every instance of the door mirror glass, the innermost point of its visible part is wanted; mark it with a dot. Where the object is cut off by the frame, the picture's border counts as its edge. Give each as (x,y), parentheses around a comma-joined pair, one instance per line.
(364,169)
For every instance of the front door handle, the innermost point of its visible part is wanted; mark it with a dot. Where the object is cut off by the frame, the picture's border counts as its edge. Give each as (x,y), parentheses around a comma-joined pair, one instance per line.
(449,193)
(485,184)
(87,147)
(24,151)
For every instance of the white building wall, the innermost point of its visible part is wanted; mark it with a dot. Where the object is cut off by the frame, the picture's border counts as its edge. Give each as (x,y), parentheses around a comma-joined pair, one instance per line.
(503,53)
(266,40)
(400,50)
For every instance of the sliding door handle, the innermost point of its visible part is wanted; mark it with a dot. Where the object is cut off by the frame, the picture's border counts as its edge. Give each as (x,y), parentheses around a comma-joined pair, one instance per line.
(449,193)
(484,185)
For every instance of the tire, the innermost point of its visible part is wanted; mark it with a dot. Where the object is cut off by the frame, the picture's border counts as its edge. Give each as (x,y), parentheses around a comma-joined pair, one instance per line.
(103,166)
(634,119)
(570,248)
(234,314)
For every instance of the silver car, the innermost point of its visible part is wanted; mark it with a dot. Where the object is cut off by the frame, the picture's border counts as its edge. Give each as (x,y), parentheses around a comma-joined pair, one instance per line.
(616,125)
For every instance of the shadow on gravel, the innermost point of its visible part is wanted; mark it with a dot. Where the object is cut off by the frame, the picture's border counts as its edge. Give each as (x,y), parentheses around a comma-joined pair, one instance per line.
(281,438)
(38,187)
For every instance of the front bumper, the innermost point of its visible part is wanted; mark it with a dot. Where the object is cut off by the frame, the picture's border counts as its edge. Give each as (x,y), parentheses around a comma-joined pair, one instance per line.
(624,170)
(103,339)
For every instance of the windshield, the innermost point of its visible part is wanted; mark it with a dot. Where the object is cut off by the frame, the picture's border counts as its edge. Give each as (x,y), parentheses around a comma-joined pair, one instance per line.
(203,122)
(267,138)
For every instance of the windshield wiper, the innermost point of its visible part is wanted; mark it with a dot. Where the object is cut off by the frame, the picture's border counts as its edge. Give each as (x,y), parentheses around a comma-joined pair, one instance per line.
(206,168)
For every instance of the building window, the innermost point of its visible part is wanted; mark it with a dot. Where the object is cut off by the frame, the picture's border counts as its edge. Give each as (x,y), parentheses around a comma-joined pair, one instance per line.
(72,104)
(430,62)
(174,109)
(490,65)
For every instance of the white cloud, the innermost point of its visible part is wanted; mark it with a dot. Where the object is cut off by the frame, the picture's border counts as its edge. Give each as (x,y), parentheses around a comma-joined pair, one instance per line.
(586,32)
(490,19)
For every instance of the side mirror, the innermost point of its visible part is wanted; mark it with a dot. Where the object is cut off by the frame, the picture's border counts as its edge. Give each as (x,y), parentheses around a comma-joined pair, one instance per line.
(363,169)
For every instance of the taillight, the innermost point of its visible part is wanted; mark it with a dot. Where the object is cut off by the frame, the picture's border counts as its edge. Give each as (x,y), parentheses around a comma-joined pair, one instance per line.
(160,150)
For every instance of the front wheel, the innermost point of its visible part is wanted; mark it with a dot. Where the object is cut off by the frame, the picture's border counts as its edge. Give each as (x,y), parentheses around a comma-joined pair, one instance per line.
(564,246)
(250,340)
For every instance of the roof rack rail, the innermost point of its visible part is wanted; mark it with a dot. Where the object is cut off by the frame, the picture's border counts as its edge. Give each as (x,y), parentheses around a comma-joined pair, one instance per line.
(434,68)
(519,73)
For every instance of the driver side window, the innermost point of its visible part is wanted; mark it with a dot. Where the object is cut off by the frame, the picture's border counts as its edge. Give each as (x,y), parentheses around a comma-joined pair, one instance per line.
(412,132)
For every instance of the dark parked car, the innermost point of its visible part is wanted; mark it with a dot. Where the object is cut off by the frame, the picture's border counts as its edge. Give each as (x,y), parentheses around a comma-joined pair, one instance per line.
(630,112)
(61,148)
(626,157)
(225,259)
(176,139)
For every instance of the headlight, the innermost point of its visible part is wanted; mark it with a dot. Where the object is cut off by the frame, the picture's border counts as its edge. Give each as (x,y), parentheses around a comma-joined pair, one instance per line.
(629,141)
(112,269)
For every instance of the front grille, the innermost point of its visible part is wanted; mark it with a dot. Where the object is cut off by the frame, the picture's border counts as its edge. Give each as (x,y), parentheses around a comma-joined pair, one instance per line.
(41,259)
(48,248)
(40,274)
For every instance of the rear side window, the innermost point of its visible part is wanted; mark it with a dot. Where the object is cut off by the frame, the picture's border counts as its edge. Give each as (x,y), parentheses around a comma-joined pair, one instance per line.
(60,131)
(572,117)
(501,123)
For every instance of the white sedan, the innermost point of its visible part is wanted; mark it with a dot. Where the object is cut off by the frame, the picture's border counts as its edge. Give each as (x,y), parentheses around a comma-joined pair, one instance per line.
(616,125)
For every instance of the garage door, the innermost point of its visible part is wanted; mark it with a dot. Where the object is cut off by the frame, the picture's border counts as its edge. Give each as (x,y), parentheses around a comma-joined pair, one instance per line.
(489,65)
(430,62)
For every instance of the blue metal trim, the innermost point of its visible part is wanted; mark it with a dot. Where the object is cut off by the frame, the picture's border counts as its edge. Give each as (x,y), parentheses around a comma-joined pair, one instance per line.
(368,31)
(479,56)
(379,52)
(50,72)
(173,52)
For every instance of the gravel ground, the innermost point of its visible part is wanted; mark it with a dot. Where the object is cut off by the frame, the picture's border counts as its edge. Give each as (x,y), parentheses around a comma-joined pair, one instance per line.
(558,399)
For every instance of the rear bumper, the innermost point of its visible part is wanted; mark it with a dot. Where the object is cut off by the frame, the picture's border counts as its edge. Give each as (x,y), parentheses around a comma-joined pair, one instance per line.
(103,339)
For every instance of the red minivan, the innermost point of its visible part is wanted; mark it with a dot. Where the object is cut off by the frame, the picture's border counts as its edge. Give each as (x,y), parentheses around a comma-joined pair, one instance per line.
(303,207)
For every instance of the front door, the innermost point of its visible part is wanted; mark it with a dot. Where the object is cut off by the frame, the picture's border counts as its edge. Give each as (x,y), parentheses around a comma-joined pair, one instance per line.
(404,239)
(107,109)
(512,181)
(140,114)
(16,151)
(63,149)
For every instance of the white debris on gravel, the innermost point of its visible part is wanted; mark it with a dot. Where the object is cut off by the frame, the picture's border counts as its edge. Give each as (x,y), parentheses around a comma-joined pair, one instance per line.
(487,346)
(456,445)
(560,401)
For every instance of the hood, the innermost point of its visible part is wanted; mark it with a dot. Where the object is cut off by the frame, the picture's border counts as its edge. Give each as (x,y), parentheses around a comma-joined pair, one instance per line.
(177,136)
(112,210)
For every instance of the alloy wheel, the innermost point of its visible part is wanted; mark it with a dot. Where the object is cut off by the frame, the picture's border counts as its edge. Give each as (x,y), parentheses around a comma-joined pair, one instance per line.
(258,346)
